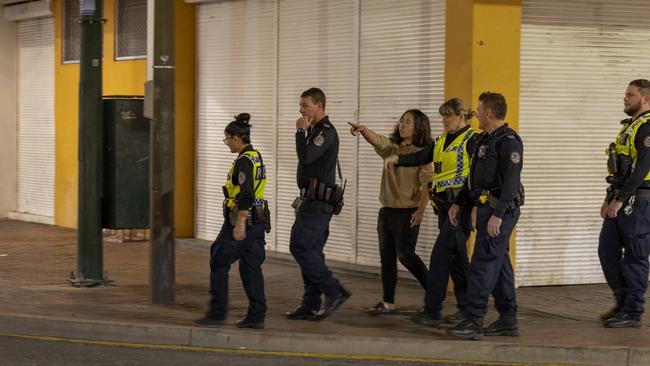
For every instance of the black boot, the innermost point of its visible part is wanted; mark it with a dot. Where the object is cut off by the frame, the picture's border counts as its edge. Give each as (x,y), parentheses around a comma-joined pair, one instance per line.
(424,318)
(502,327)
(468,329)
(623,320)
(609,314)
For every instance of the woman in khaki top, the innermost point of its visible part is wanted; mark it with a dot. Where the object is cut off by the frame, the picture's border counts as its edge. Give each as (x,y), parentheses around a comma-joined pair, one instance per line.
(404,198)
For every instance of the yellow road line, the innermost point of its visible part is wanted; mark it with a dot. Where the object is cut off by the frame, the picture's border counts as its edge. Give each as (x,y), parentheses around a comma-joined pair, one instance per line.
(281,353)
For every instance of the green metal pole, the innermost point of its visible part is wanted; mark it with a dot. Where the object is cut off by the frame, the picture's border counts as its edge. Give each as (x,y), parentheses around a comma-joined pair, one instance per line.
(161,251)
(89,237)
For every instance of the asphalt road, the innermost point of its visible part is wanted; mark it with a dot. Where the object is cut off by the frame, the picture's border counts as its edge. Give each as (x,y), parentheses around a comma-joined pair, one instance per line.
(35,351)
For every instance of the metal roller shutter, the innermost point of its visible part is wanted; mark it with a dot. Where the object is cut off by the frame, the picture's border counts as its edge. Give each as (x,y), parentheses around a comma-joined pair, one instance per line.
(577,58)
(236,73)
(401,67)
(318,46)
(35,196)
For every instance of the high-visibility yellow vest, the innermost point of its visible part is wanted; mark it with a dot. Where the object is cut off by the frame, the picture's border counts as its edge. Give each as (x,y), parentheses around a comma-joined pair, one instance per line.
(625,140)
(451,164)
(259,179)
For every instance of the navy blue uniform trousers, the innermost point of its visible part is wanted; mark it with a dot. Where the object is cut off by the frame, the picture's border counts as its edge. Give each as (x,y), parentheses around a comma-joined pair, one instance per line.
(250,252)
(623,249)
(308,237)
(448,257)
(490,271)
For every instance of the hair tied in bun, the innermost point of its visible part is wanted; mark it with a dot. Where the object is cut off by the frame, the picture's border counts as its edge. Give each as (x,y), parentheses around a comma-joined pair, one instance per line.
(243,118)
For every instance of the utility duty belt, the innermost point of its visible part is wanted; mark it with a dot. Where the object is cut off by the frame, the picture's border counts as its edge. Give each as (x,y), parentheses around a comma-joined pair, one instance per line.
(321,192)
(443,200)
(257,214)
(486,198)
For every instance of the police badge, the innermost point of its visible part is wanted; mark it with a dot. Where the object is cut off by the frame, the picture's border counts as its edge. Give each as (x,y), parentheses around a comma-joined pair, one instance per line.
(481,151)
(319,140)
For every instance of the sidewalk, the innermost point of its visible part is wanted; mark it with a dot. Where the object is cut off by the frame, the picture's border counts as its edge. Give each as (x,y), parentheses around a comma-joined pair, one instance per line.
(558,324)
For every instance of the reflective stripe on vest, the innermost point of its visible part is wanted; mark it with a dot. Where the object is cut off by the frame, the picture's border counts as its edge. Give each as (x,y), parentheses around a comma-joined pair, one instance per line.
(625,140)
(259,179)
(453,161)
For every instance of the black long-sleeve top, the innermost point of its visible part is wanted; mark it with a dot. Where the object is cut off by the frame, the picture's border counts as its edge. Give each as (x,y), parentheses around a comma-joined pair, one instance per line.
(317,153)
(425,155)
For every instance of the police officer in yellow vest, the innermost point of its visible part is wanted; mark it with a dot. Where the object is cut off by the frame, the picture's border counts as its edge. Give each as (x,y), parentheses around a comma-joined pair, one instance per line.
(246,218)
(450,154)
(624,243)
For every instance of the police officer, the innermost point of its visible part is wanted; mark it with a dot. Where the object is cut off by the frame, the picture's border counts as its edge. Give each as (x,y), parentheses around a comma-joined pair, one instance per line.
(450,154)
(624,243)
(242,234)
(317,146)
(493,185)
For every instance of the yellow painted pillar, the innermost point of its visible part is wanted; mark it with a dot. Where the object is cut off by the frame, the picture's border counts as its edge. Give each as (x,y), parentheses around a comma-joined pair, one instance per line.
(125,77)
(482,53)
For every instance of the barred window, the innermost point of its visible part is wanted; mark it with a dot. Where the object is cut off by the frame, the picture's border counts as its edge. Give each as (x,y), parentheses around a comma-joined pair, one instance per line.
(71,31)
(131,29)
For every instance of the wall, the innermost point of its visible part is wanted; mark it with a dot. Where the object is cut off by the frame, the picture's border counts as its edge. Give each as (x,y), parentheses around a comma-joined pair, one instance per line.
(483,54)
(8,118)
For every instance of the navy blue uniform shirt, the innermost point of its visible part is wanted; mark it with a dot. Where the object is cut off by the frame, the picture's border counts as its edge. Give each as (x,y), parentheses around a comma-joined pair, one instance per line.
(317,153)
(496,167)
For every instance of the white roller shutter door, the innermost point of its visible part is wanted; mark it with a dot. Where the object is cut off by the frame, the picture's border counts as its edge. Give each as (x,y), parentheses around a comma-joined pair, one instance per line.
(236,73)
(318,46)
(401,67)
(577,58)
(36,150)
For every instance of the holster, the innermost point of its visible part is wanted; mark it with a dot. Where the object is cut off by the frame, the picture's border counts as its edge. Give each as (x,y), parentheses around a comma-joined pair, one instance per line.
(317,191)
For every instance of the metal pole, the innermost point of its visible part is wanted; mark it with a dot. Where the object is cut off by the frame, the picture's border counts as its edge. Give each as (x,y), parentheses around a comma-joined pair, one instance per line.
(162,261)
(89,237)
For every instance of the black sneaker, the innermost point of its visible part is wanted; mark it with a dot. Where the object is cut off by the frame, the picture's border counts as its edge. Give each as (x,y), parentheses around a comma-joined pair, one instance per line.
(209,320)
(454,318)
(622,320)
(382,309)
(609,314)
(424,318)
(331,304)
(502,327)
(247,323)
(301,313)
(467,329)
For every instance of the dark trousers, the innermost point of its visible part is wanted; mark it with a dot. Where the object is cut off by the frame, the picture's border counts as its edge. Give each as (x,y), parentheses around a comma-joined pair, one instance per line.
(448,257)
(491,270)
(397,240)
(250,252)
(308,237)
(623,249)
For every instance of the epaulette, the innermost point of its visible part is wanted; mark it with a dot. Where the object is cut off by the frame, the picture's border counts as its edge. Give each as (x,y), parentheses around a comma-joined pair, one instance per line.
(626,120)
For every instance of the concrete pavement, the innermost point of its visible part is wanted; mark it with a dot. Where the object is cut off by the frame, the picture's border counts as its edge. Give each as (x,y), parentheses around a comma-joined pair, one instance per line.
(558,324)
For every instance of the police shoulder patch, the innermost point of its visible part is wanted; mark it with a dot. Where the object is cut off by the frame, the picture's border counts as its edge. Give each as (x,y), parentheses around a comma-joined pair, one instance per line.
(241,178)
(319,140)
(646,141)
(515,157)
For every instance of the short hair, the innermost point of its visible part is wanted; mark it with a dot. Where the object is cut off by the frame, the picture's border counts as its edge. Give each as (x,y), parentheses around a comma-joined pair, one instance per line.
(316,95)
(456,107)
(240,127)
(643,85)
(421,129)
(494,102)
